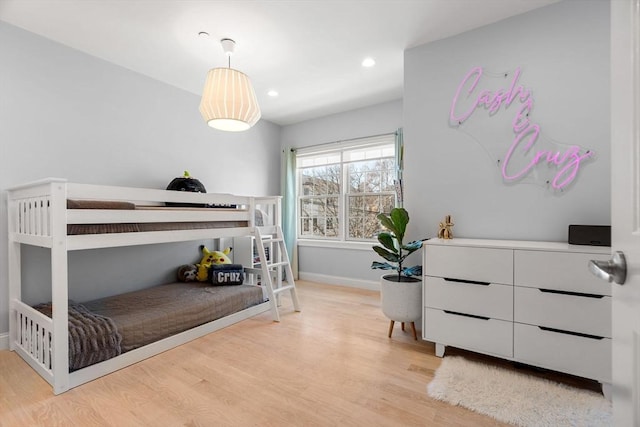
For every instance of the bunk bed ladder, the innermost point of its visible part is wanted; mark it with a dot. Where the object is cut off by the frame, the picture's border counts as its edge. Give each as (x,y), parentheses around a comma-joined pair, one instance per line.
(270,269)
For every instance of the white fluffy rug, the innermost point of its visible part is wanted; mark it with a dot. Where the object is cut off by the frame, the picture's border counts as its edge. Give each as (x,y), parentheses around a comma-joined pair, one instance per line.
(517,398)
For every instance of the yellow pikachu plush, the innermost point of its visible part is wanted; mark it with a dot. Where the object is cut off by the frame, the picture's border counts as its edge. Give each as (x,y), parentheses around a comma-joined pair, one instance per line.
(210,258)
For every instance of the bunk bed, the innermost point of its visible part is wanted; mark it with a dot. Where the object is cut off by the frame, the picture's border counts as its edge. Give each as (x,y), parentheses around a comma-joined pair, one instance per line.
(63,217)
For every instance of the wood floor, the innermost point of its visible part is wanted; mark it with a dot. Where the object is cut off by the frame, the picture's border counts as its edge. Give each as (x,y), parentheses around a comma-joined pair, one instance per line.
(331,365)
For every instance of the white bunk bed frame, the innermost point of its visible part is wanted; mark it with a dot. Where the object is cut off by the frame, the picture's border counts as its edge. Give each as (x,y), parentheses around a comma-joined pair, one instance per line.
(38,216)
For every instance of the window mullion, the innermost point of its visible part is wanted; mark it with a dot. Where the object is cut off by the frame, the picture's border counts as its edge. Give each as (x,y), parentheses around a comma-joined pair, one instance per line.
(342,209)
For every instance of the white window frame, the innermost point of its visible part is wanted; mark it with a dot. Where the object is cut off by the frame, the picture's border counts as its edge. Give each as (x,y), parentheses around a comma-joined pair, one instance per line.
(341,147)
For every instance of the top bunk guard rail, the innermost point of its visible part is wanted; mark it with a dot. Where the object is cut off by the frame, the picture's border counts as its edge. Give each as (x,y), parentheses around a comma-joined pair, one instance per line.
(144,196)
(35,209)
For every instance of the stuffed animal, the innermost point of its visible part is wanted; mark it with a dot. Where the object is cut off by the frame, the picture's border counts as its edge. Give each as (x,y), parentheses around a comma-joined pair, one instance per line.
(187,273)
(210,258)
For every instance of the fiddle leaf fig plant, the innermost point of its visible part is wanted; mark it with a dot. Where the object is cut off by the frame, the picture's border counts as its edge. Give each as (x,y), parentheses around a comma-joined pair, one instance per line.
(392,247)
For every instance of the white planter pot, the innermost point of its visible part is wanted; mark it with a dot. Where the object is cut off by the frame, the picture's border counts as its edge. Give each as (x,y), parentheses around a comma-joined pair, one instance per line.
(401,301)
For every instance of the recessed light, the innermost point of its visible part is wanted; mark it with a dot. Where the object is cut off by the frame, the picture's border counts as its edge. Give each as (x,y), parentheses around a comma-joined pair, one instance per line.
(273,93)
(368,62)
(203,35)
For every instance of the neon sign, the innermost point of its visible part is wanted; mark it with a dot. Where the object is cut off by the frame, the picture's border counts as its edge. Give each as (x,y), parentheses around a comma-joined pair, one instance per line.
(465,104)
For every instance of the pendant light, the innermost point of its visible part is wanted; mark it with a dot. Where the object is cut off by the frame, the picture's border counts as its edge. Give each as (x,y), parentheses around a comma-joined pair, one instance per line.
(228,101)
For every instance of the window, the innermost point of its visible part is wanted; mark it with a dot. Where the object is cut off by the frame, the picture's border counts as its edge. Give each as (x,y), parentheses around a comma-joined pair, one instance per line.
(342,187)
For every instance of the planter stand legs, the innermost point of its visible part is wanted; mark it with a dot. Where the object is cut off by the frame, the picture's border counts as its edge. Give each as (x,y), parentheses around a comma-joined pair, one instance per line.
(413,328)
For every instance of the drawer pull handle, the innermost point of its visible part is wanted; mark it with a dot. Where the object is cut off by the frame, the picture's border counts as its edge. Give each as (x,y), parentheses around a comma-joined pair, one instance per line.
(577,334)
(576,294)
(455,313)
(471,282)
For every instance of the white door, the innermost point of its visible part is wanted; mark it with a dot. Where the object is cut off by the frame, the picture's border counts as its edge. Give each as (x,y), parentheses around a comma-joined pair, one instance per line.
(625,195)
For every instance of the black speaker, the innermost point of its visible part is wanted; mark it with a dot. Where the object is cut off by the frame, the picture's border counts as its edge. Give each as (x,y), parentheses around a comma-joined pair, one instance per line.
(593,235)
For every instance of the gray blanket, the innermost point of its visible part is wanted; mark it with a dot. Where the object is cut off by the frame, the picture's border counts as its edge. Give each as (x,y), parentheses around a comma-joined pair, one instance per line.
(93,338)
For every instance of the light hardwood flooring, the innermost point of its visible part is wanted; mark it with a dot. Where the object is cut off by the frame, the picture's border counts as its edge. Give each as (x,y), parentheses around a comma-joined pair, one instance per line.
(330,365)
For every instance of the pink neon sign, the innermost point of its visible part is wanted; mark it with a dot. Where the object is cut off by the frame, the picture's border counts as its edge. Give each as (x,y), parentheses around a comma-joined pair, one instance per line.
(526,133)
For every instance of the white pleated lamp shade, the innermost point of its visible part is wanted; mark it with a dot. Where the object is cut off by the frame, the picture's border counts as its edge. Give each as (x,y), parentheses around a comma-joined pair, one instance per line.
(228,100)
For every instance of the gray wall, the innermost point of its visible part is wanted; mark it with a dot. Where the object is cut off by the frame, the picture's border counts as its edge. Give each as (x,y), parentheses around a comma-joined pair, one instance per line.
(67,114)
(341,265)
(563,50)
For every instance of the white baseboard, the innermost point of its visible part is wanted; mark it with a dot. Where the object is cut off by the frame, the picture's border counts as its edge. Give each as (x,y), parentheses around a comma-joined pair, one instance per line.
(341,281)
(4,341)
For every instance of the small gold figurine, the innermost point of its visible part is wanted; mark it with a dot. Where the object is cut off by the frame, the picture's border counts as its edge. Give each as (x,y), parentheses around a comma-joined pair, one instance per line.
(445,228)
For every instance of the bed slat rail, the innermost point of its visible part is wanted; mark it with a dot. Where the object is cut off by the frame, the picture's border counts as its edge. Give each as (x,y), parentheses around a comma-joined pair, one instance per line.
(34,216)
(30,213)
(34,337)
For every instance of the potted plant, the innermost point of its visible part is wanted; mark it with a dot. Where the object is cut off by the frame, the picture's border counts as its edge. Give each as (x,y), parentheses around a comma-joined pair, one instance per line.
(401,291)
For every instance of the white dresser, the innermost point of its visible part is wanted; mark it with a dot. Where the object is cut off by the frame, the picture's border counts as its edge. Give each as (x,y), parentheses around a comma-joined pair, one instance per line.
(532,302)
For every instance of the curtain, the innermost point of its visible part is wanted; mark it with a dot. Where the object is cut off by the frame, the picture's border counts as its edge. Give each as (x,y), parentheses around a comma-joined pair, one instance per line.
(399,167)
(289,203)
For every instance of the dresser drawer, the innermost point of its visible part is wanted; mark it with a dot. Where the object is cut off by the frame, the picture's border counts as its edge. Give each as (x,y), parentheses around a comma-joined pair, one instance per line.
(565,271)
(584,357)
(460,262)
(567,312)
(488,300)
(488,336)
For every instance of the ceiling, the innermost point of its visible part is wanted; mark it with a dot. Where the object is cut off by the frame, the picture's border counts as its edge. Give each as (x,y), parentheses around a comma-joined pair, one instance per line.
(309,51)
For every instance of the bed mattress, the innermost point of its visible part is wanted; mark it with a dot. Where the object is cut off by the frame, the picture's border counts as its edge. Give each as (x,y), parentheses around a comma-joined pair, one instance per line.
(79,229)
(152,314)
